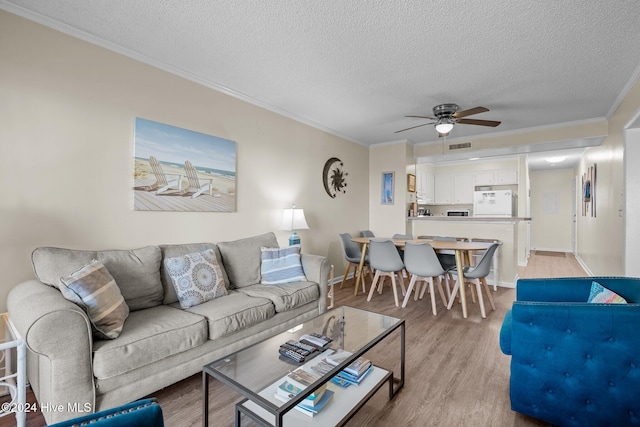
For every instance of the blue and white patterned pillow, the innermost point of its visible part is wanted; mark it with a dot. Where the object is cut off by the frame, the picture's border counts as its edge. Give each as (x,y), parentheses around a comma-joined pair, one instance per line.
(281,265)
(197,277)
(600,294)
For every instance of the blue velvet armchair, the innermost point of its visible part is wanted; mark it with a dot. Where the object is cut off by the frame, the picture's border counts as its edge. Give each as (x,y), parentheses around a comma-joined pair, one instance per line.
(574,363)
(141,413)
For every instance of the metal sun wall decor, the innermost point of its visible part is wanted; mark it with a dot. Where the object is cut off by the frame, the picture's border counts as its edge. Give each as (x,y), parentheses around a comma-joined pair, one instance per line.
(178,169)
(334,177)
(589,191)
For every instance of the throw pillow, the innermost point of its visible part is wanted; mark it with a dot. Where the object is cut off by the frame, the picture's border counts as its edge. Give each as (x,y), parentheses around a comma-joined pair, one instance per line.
(197,277)
(281,265)
(600,294)
(94,289)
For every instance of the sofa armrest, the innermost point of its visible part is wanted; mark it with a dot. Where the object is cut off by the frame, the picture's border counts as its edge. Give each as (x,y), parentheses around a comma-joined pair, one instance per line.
(59,348)
(505,333)
(316,269)
(575,289)
(576,363)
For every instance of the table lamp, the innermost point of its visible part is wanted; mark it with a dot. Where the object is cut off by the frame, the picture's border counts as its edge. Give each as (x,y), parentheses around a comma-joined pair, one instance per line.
(292,220)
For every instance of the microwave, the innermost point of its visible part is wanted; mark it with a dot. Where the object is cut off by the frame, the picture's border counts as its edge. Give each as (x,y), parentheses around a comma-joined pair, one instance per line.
(458,212)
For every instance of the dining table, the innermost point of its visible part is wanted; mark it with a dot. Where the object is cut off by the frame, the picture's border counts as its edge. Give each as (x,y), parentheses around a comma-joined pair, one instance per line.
(461,250)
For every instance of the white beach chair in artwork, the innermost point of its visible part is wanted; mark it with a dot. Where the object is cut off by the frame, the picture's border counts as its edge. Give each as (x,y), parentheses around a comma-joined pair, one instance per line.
(164,181)
(194,181)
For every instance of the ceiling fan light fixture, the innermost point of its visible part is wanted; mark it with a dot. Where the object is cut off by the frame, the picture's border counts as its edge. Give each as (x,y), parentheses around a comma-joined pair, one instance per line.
(444,127)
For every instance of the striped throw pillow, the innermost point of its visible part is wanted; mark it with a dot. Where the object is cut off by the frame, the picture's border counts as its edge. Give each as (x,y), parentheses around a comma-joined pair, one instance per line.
(281,265)
(94,289)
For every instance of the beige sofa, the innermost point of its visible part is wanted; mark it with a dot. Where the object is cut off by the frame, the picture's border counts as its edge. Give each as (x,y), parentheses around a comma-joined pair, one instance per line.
(160,343)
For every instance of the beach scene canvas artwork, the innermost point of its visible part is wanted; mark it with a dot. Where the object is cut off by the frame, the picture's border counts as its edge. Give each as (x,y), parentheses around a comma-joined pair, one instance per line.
(177,169)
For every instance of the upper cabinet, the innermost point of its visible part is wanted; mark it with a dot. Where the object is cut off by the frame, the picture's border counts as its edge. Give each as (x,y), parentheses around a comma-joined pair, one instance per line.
(506,176)
(454,185)
(463,189)
(425,187)
(453,189)
(496,177)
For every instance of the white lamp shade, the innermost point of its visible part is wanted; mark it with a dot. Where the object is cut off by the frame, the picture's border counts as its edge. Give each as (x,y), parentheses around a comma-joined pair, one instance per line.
(444,127)
(293,219)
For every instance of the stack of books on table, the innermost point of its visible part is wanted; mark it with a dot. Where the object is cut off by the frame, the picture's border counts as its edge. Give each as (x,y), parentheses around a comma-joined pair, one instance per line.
(295,383)
(353,374)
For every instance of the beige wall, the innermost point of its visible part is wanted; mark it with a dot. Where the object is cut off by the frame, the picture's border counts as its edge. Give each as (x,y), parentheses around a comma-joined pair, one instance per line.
(552,210)
(600,238)
(67,110)
(387,220)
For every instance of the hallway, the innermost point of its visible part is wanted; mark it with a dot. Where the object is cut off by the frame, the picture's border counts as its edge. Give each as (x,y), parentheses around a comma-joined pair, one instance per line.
(551,264)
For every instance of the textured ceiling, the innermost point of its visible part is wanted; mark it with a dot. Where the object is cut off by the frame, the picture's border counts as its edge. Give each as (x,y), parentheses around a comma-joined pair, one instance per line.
(355,68)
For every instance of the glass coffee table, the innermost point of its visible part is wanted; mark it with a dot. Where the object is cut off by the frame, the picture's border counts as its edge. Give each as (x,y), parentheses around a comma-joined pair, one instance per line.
(256,371)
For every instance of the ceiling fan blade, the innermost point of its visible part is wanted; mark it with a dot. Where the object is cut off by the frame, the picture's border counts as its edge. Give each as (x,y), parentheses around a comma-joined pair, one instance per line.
(470,111)
(423,117)
(491,123)
(413,127)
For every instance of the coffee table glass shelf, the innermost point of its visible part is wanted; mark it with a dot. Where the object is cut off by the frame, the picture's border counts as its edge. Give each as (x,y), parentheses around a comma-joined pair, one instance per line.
(256,371)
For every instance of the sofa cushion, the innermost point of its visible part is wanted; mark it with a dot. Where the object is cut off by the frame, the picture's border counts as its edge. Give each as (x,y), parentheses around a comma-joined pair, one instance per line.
(281,265)
(600,294)
(196,277)
(148,336)
(241,258)
(93,288)
(286,296)
(170,251)
(137,271)
(233,312)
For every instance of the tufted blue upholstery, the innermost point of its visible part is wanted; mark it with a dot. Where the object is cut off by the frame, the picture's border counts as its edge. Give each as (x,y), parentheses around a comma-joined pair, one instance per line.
(574,363)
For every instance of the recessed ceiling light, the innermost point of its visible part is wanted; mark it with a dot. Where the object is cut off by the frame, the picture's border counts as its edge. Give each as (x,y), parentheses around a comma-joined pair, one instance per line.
(557,159)
(474,158)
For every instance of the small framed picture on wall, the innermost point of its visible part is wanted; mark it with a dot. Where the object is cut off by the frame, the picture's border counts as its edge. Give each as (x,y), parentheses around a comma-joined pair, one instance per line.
(411,183)
(386,196)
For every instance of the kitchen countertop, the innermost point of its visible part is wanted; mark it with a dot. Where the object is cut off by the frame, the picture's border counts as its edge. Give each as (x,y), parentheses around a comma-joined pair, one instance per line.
(469,218)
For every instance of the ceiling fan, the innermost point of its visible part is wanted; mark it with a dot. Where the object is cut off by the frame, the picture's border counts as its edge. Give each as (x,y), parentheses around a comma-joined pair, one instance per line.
(447,115)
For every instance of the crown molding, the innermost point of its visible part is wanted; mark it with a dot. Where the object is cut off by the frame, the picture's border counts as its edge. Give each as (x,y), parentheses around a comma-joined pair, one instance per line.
(177,71)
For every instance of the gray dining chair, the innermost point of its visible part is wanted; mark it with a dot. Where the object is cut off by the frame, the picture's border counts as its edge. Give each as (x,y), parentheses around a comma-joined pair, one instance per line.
(367,233)
(404,237)
(422,263)
(476,275)
(447,258)
(353,255)
(385,260)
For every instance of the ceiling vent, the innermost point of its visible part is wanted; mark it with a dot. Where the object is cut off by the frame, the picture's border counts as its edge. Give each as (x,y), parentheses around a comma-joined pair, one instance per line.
(460,146)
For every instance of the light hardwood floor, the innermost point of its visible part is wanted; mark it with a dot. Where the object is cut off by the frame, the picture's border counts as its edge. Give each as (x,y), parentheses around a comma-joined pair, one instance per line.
(456,374)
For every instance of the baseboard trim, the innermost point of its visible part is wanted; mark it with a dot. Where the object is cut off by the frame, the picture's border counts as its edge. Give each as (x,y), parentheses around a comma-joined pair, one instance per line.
(583,265)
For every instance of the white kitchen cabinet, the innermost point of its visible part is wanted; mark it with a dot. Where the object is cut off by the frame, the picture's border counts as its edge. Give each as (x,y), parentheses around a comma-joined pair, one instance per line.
(443,189)
(506,176)
(425,187)
(429,188)
(463,189)
(484,178)
(454,189)
(496,177)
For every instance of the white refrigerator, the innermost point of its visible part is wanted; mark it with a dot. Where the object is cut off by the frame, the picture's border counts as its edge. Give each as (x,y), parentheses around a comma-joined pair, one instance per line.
(493,203)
